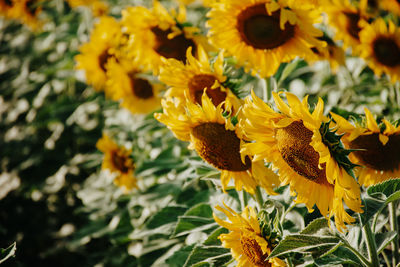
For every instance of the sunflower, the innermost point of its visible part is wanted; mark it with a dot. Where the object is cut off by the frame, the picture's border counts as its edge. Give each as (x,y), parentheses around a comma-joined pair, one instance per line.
(156,35)
(26,11)
(185,2)
(380,46)
(205,3)
(331,52)
(5,7)
(99,8)
(104,39)
(391,6)
(217,141)
(262,34)
(348,21)
(300,145)
(378,156)
(196,75)
(117,160)
(248,246)
(127,84)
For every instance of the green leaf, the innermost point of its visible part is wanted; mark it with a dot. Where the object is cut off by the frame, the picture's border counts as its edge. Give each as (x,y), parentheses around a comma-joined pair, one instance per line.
(213,237)
(208,256)
(387,188)
(303,243)
(179,257)
(371,207)
(322,250)
(164,216)
(191,224)
(198,218)
(6,253)
(315,226)
(383,239)
(200,210)
(289,68)
(393,197)
(331,250)
(389,191)
(340,256)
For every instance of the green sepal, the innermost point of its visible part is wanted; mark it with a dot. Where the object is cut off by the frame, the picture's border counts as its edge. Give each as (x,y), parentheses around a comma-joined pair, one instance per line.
(334,143)
(268,226)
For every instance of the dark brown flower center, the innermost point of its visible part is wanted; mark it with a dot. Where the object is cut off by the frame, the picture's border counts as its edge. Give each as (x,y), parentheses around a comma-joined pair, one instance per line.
(253,252)
(201,81)
(386,51)
(31,7)
(374,3)
(352,24)
(119,162)
(172,48)
(294,146)
(219,147)
(376,155)
(262,31)
(8,2)
(103,59)
(141,88)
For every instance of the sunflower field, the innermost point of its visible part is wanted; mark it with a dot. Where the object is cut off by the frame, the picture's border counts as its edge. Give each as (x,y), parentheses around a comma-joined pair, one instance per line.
(199,133)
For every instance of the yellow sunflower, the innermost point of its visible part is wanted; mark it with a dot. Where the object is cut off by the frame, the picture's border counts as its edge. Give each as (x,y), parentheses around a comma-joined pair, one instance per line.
(94,55)
(26,11)
(378,158)
(5,7)
(348,21)
(117,160)
(331,52)
(185,2)
(203,2)
(217,141)
(99,8)
(390,5)
(380,46)
(196,75)
(127,84)
(295,142)
(262,34)
(370,7)
(248,246)
(156,35)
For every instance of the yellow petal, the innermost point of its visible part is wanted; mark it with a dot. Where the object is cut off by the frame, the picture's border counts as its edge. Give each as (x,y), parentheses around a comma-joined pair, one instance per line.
(371,122)
(280,104)
(383,138)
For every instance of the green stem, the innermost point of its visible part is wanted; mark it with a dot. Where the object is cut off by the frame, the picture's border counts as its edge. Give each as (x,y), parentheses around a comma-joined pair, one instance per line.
(385,257)
(258,197)
(394,227)
(289,261)
(268,89)
(358,254)
(371,245)
(287,211)
(375,221)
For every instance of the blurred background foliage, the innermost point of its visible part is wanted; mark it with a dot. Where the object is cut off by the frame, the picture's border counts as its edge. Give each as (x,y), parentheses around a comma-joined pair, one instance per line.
(62,210)
(55,203)
(49,125)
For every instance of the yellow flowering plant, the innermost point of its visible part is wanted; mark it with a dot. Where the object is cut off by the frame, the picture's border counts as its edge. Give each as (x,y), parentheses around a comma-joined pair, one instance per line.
(200,133)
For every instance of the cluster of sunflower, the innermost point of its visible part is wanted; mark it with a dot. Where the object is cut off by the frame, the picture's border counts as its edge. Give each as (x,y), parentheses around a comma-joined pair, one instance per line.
(152,57)
(29,12)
